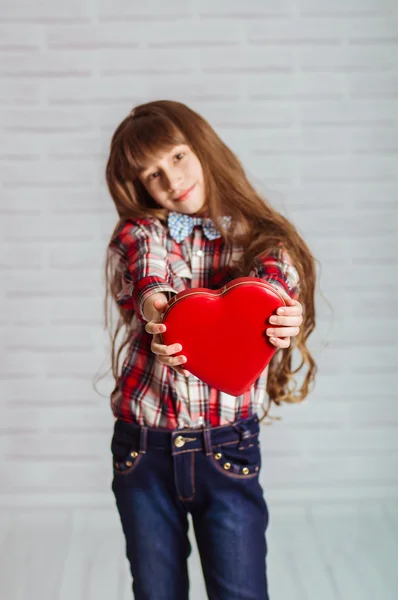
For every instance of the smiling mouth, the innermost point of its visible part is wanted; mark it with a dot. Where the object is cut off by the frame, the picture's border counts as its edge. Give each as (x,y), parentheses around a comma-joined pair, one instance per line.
(185,195)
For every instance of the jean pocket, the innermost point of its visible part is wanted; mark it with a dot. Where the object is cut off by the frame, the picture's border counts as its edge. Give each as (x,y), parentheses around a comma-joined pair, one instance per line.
(125,453)
(238,462)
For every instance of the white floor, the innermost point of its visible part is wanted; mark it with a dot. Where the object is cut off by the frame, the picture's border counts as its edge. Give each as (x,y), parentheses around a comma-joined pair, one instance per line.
(321,552)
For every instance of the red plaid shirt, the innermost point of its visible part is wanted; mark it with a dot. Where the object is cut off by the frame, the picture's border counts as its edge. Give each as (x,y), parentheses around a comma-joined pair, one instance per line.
(152,394)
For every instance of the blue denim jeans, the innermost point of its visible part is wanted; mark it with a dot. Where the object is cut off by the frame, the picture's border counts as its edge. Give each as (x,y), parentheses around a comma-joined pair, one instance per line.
(159,476)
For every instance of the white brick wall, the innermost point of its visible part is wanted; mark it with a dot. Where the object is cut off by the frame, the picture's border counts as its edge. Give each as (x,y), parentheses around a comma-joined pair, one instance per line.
(305,93)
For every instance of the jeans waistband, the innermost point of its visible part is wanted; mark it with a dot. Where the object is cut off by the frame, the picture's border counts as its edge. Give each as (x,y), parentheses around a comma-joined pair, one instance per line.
(188,440)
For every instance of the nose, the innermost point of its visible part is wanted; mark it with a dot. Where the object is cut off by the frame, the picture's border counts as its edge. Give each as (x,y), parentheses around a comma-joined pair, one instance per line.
(174,181)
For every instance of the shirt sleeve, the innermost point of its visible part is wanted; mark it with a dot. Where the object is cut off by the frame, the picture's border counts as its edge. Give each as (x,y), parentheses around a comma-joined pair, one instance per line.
(142,252)
(277,269)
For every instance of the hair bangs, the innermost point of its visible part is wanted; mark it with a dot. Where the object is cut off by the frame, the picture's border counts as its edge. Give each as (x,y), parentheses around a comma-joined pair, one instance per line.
(147,137)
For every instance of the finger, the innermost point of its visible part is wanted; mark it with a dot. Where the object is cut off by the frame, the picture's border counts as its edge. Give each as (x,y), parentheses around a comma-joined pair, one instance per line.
(290,310)
(286,321)
(155,328)
(172,361)
(163,350)
(289,301)
(283,332)
(280,342)
(160,305)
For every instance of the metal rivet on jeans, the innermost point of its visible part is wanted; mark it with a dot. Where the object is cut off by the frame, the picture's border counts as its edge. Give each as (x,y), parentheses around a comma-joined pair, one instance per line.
(245,471)
(218,456)
(227,466)
(129,463)
(134,454)
(179,441)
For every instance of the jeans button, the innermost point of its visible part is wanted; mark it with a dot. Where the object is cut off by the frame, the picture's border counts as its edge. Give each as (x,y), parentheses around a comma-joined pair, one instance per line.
(179,441)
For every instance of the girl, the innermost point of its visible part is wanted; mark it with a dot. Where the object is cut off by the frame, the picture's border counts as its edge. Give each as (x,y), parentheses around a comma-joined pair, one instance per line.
(188,217)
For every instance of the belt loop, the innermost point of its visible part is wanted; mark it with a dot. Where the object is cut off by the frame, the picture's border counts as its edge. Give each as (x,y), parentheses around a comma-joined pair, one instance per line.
(207,440)
(143,439)
(244,435)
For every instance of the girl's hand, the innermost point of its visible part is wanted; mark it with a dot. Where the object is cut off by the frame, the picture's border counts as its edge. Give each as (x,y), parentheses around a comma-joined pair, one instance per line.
(156,327)
(286,324)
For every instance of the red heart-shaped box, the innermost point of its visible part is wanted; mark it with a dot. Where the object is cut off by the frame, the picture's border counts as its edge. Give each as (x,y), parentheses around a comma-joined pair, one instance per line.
(222,332)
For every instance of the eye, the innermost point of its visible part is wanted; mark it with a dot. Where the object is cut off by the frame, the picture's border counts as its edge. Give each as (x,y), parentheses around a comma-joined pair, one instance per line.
(153,175)
(156,174)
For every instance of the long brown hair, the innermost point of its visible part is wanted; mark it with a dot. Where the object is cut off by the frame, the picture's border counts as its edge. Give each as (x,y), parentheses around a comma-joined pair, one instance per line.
(256,227)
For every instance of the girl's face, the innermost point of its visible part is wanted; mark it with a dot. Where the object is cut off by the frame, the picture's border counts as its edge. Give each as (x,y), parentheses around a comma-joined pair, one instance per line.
(175,180)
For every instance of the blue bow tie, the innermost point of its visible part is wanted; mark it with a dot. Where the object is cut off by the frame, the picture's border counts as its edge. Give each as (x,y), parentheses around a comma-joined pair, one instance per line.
(181,225)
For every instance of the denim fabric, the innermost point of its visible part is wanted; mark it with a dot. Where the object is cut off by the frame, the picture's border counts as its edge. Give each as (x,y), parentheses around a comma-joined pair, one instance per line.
(161,475)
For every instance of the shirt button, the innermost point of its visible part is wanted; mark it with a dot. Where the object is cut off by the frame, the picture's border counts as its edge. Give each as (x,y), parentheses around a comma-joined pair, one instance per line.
(199,253)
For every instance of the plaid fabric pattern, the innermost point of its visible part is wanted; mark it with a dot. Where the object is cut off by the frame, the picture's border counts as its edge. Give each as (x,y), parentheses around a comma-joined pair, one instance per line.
(149,261)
